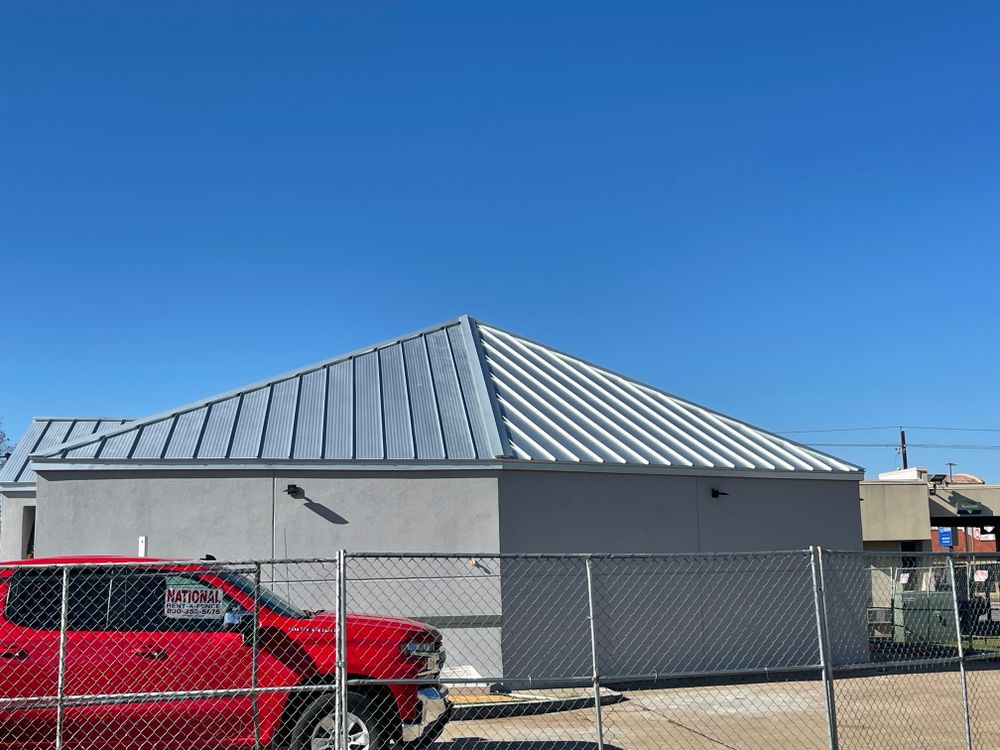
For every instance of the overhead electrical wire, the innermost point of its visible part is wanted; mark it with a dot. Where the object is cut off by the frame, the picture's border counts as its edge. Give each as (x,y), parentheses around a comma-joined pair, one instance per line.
(889,427)
(949,446)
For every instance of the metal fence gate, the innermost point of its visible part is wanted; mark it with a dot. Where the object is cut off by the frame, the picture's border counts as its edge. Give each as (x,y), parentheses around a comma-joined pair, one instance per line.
(801,649)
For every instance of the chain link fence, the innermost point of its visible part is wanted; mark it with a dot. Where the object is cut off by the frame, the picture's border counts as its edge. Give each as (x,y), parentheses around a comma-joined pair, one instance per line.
(802,649)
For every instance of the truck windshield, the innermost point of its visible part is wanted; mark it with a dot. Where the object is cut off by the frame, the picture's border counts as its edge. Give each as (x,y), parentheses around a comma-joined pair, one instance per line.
(266,597)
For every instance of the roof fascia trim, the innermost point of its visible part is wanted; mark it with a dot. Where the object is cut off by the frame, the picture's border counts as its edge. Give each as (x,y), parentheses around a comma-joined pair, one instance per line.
(43,466)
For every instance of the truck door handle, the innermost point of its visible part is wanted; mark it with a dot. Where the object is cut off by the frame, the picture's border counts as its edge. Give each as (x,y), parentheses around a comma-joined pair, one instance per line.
(16,654)
(151,652)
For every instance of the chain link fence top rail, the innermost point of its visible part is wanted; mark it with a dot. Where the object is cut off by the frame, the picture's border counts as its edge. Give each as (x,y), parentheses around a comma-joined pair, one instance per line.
(803,649)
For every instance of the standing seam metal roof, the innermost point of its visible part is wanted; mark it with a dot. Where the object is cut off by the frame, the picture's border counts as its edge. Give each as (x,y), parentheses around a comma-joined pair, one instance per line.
(45,433)
(460,391)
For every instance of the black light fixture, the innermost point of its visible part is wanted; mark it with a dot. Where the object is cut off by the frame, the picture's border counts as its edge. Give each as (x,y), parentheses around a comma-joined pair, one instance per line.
(294,490)
(718,493)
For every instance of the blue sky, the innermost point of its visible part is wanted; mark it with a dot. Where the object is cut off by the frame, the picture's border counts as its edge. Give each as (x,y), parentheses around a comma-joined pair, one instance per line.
(786,212)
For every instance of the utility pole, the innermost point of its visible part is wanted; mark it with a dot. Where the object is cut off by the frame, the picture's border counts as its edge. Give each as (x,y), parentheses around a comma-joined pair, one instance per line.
(902,446)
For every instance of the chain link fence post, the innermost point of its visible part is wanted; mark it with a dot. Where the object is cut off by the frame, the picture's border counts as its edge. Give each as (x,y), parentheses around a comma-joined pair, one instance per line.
(340,713)
(254,656)
(61,674)
(823,640)
(593,655)
(961,652)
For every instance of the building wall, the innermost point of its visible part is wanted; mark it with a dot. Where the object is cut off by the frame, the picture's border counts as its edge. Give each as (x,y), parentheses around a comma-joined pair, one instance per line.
(945,500)
(500,616)
(240,517)
(671,615)
(249,516)
(895,511)
(17,507)
(564,511)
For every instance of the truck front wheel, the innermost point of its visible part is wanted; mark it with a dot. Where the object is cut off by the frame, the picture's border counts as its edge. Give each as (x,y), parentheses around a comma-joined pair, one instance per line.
(316,727)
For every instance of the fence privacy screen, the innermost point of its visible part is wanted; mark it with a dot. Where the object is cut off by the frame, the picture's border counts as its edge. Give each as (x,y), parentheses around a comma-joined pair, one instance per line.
(801,649)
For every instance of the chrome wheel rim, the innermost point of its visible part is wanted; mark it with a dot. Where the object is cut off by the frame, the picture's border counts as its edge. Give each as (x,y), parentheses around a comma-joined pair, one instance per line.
(324,734)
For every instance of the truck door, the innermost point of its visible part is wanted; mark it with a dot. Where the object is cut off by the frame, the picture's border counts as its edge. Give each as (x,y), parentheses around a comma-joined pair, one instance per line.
(164,634)
(29,654)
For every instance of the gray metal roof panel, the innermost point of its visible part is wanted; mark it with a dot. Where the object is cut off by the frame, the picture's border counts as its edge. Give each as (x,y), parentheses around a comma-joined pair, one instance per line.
(310,417)
(219,428)
(401,400)
(339,439)
(558,407)
(279,429)
(45,433)
(459,391)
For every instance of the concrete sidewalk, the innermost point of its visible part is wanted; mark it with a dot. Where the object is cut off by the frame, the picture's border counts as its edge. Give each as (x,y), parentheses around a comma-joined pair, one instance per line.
(885,712)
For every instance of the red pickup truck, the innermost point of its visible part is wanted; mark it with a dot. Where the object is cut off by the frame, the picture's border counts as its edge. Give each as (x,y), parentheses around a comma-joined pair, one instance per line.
(135,634)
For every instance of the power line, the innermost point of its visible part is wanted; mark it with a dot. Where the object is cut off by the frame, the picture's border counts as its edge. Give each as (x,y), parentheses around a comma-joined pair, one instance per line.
(889,427)
(954,429)
(949,446)
(838,429)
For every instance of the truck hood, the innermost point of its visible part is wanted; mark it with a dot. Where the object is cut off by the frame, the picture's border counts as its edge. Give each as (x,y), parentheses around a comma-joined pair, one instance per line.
(328,618)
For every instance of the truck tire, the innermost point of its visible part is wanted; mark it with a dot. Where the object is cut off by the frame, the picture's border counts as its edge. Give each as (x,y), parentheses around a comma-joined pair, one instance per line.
(365,728)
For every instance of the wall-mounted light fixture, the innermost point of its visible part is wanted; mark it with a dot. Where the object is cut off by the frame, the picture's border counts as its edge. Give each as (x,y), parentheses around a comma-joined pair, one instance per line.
(718,493)
(294,490)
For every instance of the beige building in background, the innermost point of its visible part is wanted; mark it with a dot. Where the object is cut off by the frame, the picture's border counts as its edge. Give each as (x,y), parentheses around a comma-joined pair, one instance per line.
(902,510)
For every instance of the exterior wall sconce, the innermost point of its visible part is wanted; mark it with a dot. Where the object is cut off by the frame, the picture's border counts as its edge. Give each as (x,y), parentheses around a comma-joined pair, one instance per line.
(718,493)
(295,491)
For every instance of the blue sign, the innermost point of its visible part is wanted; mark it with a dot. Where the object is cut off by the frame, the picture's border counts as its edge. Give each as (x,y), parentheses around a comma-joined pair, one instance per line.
(944,536)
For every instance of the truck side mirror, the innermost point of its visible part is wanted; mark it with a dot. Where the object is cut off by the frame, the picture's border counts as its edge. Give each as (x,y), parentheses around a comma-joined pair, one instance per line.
(239,621)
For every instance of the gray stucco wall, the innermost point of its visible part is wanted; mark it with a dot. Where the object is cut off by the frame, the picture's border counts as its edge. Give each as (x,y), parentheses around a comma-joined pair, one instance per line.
(240,516)
(894,512)
(541,606)
(946,499)
(678,614)
(14,531)
(563,511)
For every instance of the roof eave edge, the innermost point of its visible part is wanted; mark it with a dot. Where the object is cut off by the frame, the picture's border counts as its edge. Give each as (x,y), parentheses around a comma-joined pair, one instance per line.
(241,465)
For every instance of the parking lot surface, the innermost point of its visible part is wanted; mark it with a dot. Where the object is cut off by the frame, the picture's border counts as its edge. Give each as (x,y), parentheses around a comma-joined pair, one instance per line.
(905,711)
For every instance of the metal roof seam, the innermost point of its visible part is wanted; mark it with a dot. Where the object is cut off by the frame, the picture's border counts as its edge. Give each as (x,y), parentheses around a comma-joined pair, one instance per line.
(434,396)
(461,396)
(263,424)
(601,390)
(295,415)
(324,416)
(580,407)
(587,401)
(381,402)
(408,400)
(540,390)
(236,421)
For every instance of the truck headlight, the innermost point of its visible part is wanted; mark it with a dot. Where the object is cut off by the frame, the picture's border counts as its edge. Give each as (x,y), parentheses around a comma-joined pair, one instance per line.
(420,649)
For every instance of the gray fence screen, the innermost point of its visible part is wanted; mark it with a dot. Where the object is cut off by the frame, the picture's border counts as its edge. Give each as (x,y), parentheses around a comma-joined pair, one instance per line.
(801,649)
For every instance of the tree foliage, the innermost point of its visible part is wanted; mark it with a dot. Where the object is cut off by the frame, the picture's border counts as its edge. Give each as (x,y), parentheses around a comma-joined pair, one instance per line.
(6,446)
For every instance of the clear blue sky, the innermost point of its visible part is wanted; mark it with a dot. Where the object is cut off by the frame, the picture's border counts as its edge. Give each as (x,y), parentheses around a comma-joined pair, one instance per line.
(786,212)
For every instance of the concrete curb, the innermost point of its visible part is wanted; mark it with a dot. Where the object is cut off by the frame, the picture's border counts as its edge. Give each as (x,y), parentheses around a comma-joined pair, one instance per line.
(527,704)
